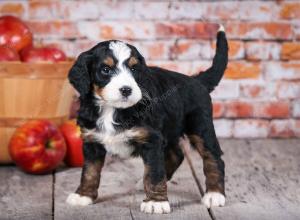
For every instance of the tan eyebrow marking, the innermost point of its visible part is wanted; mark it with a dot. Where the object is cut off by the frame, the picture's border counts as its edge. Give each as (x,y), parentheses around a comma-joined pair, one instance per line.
(132,61)
(109,61)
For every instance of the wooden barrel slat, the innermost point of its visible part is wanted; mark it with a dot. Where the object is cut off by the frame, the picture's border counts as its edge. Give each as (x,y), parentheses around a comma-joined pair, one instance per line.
(16,122)
(34,70)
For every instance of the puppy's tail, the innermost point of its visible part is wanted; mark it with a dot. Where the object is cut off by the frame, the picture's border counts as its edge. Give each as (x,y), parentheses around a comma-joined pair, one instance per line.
(212,76)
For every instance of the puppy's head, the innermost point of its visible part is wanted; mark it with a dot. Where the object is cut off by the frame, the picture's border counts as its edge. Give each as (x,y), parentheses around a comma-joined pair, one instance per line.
(110,71)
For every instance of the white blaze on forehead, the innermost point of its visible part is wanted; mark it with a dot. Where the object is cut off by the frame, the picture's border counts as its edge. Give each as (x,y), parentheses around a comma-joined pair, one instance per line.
(120,50)
(123,77)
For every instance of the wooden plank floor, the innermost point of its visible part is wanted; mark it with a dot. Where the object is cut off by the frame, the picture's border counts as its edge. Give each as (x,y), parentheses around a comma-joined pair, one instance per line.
(262,182)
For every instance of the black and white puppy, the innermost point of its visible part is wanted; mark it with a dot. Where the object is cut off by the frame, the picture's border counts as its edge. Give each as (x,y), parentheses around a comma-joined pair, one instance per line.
(131,109)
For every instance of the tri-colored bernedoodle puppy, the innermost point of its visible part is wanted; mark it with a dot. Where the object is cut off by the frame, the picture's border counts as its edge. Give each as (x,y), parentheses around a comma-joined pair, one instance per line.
(131,109)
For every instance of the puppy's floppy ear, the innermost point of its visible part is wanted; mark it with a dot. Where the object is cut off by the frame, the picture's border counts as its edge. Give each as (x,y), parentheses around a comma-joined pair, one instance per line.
(79,74)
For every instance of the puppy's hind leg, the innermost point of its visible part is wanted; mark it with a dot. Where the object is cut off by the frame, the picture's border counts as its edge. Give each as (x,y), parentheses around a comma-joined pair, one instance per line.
(202,136)
(87,192)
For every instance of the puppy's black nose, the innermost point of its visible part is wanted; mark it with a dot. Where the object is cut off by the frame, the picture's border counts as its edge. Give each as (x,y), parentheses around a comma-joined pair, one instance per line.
(125,91)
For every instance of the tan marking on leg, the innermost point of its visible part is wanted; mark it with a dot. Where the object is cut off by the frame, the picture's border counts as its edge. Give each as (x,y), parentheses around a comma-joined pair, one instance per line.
(214,178)
(172,162)
(90,179)
(139,134)
(156,192)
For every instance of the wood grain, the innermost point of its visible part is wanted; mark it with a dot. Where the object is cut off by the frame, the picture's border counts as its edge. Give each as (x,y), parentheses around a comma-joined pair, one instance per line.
(262,179)
(24,196)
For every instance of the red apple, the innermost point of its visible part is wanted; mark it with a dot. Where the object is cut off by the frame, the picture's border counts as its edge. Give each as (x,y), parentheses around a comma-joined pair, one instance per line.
(8,54)
(72,135)
(14,33)
(40,54)
(37,147)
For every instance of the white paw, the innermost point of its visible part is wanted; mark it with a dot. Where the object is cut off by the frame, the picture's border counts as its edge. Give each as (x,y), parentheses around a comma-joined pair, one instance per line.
(211,199)
(156,207)
(78,200)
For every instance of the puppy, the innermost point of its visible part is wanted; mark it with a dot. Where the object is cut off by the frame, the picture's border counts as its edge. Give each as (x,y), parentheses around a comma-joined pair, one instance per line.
(131,109)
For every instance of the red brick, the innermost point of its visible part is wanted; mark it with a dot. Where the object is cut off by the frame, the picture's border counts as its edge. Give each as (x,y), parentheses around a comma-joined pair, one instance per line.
(242,70)
(79,10)
(12,8)
(281,129)
(290,51)
(192,50)
(60,29)
(239,109)
(274,109)
(199,66)
(155,50)
(44,9)
(257,89)
(71,10)
(149,10)
(95,30)
(251,91)
(286,90)
(262,50)
(218,109)
(178,66)
(259,30)
(296,108)
(258,10)
(250,128)
(226,90)
(71,48)
(236,49)
(115,9)
(290,10)
(224,128)
(200,30)
(204,10)
(282,70)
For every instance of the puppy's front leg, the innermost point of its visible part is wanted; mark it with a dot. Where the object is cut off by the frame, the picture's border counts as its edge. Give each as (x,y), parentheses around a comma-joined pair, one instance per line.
(87,192)
(155,181)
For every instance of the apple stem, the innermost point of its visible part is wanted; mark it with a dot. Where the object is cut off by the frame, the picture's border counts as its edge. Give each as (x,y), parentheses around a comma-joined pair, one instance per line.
(48,144)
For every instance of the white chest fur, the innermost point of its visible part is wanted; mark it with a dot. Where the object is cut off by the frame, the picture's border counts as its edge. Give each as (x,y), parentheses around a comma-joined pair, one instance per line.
(115,143)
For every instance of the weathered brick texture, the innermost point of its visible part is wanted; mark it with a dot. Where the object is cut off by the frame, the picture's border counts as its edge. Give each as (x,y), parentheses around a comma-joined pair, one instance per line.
(259,96)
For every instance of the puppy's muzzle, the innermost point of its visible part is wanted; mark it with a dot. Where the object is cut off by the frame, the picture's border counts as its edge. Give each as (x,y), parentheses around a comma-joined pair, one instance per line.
(125,91)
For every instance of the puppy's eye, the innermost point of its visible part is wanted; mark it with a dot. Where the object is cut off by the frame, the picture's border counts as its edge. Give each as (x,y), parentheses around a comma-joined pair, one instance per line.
(133,69)
(105,70)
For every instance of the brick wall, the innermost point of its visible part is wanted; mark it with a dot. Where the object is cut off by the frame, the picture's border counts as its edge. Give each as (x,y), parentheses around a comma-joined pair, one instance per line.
(260,95)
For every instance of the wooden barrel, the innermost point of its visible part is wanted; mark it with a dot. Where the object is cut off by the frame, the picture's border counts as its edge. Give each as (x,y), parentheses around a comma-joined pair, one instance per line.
(31,91)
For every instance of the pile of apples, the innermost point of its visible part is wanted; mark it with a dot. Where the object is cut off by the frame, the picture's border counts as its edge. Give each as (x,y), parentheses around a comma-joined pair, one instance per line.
(16,44)
(38,146)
